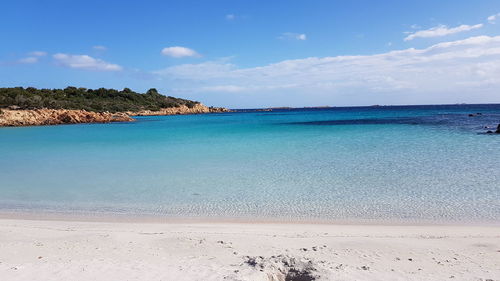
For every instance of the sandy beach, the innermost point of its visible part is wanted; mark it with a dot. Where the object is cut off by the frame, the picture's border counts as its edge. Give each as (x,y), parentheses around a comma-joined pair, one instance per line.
(76,250)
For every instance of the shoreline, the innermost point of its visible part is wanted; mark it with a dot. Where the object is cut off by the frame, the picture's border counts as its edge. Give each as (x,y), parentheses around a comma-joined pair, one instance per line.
(159,219)
(63,250)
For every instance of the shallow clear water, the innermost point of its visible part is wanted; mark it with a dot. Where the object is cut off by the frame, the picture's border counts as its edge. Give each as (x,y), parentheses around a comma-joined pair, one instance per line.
(405,164)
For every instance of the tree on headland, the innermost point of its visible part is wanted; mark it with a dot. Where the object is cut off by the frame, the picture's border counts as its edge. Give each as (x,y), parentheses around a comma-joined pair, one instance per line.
(152,92)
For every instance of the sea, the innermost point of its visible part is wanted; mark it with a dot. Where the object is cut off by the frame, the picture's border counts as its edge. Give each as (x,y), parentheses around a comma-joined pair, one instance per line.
(380,164)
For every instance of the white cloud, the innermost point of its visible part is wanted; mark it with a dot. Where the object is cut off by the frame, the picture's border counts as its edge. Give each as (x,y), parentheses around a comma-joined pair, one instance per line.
(441,30)
(38,54)
(85,62)
(293,36)
(230,17)
(179,52)
(458,71)
(99,48)
(492,19)
(28,60)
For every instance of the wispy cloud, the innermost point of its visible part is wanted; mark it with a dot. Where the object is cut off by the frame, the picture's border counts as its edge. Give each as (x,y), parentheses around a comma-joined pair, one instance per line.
(230,17)
(292,36)
(492,19)
(224,88)
(31,58)
(179,52)
(441,30)
(456,71)
(38,53)
(205,70)
(99,48)
(28,60)
(85,62)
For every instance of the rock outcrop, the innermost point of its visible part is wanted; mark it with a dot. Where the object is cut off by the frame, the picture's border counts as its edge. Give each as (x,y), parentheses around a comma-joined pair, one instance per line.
(37,117)
(495,132)
(183,109)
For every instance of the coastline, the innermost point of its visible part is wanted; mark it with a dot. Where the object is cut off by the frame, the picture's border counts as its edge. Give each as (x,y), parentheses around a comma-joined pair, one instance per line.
(58,250)
(44,116)
(43,215)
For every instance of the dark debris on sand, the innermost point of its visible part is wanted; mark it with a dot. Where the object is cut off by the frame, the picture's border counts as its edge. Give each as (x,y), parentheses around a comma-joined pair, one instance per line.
(284,267)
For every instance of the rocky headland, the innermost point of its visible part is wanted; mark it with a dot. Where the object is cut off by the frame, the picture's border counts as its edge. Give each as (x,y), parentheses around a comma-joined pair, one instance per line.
(40,117)
(33,107)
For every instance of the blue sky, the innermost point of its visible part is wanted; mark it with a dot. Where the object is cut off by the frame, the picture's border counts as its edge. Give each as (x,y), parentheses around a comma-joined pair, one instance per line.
(259,53)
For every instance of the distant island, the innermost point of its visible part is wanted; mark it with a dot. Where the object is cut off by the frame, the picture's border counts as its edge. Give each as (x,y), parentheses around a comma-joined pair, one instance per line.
(30,106)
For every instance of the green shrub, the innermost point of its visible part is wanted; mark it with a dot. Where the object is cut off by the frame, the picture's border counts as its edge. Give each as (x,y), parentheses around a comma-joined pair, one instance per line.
(98,100)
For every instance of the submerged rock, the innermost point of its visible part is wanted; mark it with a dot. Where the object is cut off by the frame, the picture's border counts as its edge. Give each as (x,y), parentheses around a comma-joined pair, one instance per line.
(475,114)
(495,132)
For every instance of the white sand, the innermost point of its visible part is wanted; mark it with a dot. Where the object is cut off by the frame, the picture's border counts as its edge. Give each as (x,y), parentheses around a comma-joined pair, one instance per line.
(69,250)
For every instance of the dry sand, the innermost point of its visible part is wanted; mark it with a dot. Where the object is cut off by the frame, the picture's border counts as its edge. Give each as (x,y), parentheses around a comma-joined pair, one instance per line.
(70,250)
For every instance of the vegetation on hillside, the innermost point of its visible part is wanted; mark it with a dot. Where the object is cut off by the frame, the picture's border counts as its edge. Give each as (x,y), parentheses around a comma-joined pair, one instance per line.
(98,100)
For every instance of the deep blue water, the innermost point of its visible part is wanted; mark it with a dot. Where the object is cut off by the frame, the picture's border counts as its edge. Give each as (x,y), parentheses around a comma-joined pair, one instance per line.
(404,164)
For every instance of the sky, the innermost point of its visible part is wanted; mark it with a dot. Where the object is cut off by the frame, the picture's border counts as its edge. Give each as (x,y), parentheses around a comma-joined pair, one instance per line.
(249,54)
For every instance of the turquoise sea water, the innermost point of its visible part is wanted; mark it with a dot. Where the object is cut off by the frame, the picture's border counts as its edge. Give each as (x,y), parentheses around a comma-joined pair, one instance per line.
(405,164)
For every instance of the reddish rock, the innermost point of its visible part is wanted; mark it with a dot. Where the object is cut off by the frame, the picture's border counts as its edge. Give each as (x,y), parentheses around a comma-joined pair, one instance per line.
(36,117)
(9,117)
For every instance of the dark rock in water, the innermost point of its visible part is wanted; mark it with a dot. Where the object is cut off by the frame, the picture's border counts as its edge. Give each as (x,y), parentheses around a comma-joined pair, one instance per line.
(495,132)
